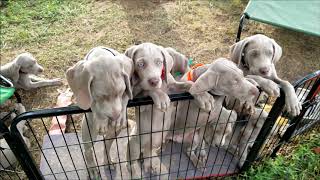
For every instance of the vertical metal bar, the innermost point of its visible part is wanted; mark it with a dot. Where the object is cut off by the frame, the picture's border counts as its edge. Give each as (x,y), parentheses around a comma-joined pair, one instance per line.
(195,128)
(19,148)
(75,130)
(118,153)
(184,131)
(54,148)
(139,138)
(265,130)
(226,152)
(287,135)
(128,145)
(94,151)
(174,125)
(214,131)
(241,24)
(65,141)
(45,158)
(164,115)
(109,160)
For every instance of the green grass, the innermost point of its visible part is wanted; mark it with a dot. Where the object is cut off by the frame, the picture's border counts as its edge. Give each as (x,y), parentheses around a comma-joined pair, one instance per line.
(24,22)
(301,163)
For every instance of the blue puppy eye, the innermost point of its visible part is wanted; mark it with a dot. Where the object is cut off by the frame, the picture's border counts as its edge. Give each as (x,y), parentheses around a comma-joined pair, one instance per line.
(140,64)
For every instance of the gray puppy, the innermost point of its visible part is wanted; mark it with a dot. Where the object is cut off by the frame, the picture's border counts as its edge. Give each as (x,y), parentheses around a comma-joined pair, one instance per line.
(101,82)
(22,70)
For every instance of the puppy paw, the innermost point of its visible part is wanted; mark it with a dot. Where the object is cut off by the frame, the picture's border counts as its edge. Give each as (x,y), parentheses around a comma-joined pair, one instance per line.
(248,108)
(57,82)
(271,88)
(160,99)
(293,106)
(205,101)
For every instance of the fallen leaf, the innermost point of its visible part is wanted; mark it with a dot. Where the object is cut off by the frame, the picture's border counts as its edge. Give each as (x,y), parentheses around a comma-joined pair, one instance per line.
(316,150)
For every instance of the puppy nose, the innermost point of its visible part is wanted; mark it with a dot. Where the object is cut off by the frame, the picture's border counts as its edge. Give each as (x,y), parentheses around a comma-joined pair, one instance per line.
(153,81)
(40,70)
(264,70)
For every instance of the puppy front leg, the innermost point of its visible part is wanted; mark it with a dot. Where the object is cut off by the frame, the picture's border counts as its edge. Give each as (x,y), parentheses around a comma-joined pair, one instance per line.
(178,86)
(267,85)
(88,149)
(108,140)
(160,99)
(293,106)
(27,84)
(204,100)
(133,153)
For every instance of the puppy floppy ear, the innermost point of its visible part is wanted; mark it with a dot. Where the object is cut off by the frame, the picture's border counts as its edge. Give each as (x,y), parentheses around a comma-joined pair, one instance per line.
(236,50)
(277,51)
(167,64)
(131,51)
(79,80)
(127,74)
(19,60)
(205,82)
(180,61)
(16,72)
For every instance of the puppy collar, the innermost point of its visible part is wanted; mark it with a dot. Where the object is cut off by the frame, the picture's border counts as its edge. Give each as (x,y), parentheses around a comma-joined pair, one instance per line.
(21,72)
(163,73)
(190,73)
(243,62)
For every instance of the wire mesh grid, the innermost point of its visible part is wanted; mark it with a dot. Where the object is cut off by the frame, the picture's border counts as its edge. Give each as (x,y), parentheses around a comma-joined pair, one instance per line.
(9,166)
(181,154)
(62,156)
(286,127)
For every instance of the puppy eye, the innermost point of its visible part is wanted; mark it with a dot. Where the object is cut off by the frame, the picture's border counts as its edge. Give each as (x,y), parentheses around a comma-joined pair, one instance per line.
(140,64)
(269,53)
(158,63)
(254,54)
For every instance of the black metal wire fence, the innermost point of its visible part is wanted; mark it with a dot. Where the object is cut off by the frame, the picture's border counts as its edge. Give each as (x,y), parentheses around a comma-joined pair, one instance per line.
(60,155)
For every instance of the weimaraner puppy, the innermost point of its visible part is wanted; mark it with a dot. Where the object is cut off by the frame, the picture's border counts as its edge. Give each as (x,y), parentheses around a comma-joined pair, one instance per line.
(152,67)
(101,82)
(221,78)
(22,72)
(256,56)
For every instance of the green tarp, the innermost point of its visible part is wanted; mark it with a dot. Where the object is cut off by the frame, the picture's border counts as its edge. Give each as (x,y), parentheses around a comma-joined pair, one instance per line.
(298,15)
(5,93)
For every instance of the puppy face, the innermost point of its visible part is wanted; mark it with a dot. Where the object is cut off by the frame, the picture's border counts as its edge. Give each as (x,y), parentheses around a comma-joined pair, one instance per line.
(232,82)
(223,77)
(107,90)
(149,65)
(257,54)
(103,84)
(28,64)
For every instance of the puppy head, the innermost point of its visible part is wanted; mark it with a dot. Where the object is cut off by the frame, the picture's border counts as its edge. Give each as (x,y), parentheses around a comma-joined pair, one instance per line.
(102,83)
(151,65)
(223,77)
(28,64)
(257,53)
